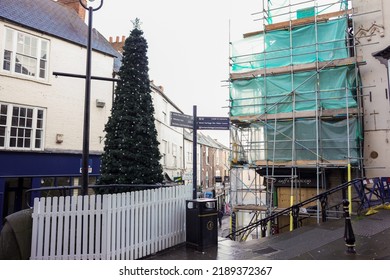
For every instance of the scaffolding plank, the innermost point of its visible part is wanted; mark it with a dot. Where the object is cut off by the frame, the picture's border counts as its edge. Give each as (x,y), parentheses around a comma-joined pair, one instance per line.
(297,68)
(297,22)
(302,114)
(304,163)
(308,20)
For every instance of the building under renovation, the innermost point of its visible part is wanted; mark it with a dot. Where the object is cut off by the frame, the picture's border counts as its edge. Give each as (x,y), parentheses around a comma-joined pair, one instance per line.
(297,104)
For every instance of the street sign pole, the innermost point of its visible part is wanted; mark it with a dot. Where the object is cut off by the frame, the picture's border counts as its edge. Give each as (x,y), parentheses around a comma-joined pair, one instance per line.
(195,123)
(194,154)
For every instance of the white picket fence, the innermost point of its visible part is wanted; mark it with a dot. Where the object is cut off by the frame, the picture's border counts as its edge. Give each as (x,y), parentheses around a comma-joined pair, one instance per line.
(109,227)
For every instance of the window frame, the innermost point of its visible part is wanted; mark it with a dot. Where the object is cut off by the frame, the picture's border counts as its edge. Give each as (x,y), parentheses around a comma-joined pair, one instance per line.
(42,45)
(11,128)
(164,152)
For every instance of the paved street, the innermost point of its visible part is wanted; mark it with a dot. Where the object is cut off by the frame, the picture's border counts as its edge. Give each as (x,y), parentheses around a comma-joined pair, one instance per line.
(318,242)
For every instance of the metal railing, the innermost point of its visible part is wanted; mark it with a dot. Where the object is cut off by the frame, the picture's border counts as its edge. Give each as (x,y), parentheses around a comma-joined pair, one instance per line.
(294,211)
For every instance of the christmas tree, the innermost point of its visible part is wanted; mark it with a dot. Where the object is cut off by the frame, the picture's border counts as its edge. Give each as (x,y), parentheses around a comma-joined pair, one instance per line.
(131,154)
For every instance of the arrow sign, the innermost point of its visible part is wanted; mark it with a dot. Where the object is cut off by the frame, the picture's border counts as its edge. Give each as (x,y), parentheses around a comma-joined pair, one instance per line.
(182,120)
(216,123)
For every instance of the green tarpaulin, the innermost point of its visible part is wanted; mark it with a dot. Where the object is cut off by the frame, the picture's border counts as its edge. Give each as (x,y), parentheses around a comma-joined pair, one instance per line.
(276,94)
(321,42)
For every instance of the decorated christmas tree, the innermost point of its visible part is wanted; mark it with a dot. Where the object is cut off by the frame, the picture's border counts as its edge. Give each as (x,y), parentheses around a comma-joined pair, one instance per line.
(131,154)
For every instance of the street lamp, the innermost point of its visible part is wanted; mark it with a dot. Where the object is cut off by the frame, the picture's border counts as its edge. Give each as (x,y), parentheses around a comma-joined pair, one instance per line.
(85,158)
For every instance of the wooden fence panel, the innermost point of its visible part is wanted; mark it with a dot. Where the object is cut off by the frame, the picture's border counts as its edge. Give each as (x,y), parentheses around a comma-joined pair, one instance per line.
(112,226)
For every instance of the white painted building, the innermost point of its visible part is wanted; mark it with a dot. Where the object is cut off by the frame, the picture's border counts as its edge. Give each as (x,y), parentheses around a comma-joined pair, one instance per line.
(51,99)
(170,137)
(372,33)
(42,116)
(188,162)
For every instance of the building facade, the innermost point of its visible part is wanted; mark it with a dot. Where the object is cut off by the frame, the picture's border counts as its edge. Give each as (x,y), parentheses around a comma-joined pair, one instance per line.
(170,137)
(372,31)
(310,99)
(212,163)
(296,103)
(41,115)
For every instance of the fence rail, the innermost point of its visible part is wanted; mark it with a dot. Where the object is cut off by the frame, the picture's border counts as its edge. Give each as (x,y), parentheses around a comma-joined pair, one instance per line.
(121,226)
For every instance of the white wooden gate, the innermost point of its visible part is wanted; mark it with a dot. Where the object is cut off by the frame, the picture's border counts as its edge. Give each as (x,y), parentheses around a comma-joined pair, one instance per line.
(109,227)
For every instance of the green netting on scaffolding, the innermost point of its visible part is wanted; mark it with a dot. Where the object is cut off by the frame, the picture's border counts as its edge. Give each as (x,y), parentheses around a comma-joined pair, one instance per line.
(285,93)
(283,10)
(336,142)
(322,42)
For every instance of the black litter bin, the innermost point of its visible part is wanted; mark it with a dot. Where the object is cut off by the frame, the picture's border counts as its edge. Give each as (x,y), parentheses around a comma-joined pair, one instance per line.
(201,223)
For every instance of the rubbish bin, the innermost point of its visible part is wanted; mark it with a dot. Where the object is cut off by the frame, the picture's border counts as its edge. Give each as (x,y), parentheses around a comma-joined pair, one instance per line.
(201,223)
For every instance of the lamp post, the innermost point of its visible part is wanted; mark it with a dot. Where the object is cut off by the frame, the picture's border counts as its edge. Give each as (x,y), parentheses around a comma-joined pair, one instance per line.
(85,157)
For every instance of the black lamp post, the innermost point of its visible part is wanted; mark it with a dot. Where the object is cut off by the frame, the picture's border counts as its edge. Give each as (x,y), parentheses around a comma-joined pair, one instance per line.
(85,158)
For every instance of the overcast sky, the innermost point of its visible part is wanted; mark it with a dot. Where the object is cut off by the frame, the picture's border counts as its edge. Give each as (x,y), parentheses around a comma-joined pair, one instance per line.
(188,46)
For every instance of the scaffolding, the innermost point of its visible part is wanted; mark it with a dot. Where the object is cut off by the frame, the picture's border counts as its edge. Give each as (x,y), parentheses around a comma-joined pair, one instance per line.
(296,103)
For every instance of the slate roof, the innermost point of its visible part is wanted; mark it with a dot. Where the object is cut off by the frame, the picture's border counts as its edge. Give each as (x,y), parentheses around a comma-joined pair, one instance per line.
(54,19)
(205,140)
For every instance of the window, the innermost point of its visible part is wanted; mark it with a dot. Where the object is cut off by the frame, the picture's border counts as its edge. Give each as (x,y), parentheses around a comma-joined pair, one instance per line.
(21,127)
(25,54)
(164,111)
(174,153)
(180,157)
(164,153)
(164,117)
(189,157)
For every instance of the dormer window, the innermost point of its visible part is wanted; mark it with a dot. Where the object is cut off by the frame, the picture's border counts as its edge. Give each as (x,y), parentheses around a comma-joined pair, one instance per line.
(25,54)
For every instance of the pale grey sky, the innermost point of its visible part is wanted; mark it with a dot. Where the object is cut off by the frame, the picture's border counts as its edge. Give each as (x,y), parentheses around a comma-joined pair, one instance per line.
(188,46)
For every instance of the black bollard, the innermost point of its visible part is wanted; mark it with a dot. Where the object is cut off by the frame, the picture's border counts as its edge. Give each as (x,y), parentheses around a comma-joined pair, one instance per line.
(263,229)
(295,214)
(349,236)
(233,229)
(324,205)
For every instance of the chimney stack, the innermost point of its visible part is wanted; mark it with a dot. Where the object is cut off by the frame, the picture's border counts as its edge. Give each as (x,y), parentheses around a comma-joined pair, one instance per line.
(75,5)
(118,43)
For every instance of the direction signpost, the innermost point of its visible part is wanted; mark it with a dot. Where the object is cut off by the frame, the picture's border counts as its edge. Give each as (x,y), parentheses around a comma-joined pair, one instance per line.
(202,123)
(182,120)
(195,123)
(215,123)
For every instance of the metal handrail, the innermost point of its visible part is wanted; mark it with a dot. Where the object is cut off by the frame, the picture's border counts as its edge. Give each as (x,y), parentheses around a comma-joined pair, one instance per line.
(263,222)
